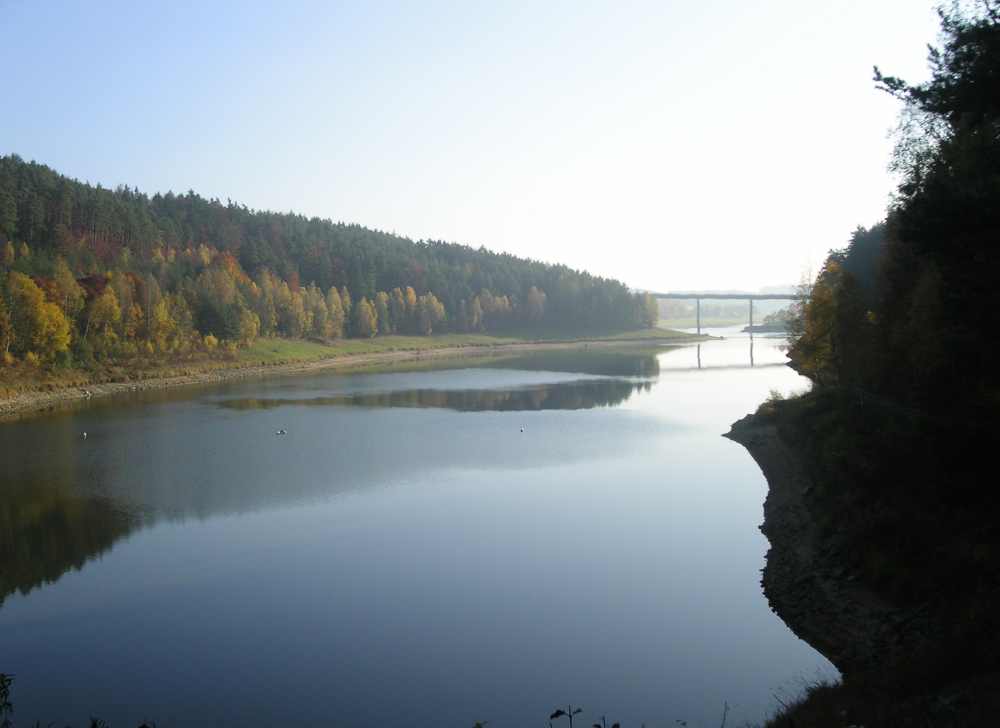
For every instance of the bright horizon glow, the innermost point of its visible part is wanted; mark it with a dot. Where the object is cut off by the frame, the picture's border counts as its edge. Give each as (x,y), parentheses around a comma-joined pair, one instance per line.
(673,146)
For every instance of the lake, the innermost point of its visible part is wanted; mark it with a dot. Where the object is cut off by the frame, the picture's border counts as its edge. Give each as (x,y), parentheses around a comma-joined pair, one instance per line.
(488,540)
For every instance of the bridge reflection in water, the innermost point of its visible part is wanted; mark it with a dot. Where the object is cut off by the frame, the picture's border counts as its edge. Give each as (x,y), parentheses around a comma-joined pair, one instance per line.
(749,365)
(735,350)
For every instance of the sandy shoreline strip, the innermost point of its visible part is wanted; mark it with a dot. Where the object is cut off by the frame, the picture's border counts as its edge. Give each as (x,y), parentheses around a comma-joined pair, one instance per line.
(31,402)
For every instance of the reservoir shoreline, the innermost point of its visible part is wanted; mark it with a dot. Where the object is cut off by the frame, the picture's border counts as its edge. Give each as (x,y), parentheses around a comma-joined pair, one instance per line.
(32,402)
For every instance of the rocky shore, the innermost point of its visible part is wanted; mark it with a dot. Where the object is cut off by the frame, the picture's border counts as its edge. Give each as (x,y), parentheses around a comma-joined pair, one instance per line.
(805,580)
(884,652)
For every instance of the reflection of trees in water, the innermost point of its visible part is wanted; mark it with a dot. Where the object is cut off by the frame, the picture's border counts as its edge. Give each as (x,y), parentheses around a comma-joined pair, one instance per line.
(609,363)
(581,394)
(46,530)
(52,522)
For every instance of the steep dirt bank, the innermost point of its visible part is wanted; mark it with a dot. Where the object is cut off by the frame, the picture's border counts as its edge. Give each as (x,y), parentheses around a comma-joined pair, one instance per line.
(27,402)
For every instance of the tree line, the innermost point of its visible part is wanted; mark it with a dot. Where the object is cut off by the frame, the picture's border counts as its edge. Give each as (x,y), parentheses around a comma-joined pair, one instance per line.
(904,309)
(88,273)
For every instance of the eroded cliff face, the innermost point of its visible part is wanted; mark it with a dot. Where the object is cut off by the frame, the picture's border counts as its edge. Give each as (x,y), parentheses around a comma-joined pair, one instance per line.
(806,579)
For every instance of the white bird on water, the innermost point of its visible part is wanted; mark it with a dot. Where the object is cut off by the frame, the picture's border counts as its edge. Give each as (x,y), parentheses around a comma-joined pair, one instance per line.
(281,432)
(84,435)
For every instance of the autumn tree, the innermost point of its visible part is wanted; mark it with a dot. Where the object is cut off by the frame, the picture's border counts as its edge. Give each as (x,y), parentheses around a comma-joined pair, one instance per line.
(318,312)
(397,310)
(475,314)
(6,326)
(365,319)
(70,296)
(162,326)
(249,327)
(410,322)
(430,313)
(383,314)
(36,325)
(534,304)
(291,312)
(53,335)
(133,322)
(348,306)
(152,295)
(103,319)
(336,313)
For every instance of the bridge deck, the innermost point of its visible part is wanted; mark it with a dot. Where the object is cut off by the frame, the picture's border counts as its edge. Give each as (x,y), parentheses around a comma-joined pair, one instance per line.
(733,296)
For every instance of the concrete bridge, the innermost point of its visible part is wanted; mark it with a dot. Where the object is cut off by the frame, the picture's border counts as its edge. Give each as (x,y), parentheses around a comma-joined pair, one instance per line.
(750,297)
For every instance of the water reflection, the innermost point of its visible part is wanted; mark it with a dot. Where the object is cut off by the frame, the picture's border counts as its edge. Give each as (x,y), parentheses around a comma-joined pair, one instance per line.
(581,394)
(46,530)
(395,564)
(642,362)
(176,455)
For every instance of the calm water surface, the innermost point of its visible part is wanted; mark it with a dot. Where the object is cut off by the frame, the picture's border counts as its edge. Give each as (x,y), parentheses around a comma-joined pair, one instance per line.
(484,542)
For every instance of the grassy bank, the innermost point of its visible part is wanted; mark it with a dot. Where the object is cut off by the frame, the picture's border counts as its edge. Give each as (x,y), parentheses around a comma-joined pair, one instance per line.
(275,351)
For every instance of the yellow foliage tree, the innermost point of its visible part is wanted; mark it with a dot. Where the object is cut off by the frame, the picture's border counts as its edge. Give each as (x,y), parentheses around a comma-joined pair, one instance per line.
(6,329)
(430,312)
(36,325)
(249,326)
(385,323)
(365,319)
(103,318)
(133,321)
(70,296)
(52,336)
(162,326)
(335,320)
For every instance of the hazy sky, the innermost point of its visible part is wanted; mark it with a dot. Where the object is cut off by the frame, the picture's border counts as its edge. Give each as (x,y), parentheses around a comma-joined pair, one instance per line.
(711,144)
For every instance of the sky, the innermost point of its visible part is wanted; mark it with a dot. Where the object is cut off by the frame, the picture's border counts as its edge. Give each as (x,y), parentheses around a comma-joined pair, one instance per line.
(719,144)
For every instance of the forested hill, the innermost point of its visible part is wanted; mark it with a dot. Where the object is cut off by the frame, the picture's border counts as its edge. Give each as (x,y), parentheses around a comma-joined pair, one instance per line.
(223,270)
